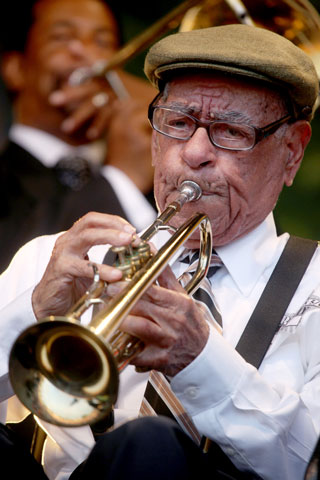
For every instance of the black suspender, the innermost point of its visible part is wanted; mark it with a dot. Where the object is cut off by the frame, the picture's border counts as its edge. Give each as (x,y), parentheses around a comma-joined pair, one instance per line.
(284,280)
(263,324)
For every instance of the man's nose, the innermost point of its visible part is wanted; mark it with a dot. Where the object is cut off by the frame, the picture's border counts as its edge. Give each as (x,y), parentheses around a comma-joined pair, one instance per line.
(198,151)
(78,47)
(87,50)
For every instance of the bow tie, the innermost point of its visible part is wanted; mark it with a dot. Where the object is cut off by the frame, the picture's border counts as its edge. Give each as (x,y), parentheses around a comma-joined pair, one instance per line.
(73,172)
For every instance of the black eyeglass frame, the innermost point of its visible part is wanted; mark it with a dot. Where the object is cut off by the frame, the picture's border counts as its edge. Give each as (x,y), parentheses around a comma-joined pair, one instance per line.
(260,133)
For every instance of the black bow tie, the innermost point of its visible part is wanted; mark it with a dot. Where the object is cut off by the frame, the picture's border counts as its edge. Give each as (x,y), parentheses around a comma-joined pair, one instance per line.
(73,172)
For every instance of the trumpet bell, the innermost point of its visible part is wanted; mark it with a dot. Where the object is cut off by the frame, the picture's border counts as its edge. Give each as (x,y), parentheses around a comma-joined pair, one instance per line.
(68,374)
(86,381)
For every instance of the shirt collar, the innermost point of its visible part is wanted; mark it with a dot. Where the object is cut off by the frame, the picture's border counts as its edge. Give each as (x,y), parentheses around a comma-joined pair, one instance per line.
(48,149)
(247,257)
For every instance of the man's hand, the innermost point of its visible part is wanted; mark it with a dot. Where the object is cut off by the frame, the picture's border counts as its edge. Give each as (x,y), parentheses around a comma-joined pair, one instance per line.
(170,324)
(69,272)
(82,107)
(93,109)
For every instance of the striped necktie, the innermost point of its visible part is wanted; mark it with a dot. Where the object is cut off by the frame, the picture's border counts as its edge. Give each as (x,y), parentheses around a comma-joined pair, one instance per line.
(204,295)
(158,397)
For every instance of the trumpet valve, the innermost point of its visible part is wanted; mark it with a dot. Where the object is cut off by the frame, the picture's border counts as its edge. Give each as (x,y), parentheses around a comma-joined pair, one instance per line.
(131,259)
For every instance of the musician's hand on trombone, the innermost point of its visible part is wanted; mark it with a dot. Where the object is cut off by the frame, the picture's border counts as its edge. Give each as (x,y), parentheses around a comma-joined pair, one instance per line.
(87,106)
(170,324)
(69,272)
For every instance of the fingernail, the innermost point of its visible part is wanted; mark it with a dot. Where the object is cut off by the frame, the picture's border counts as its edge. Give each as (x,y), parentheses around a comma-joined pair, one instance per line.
(115,274)
(125,236)
(67,125)
(136,241)
(129,229)
(56,97)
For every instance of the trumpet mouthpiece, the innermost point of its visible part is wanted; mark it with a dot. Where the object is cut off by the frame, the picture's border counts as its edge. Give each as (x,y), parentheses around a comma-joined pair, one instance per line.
(191,190)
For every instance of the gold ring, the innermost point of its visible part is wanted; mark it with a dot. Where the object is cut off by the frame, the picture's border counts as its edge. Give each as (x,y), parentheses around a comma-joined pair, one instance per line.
(100,99)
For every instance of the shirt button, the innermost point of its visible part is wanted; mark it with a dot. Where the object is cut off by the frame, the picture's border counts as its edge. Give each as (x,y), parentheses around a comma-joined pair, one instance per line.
(192,392)
(229,451)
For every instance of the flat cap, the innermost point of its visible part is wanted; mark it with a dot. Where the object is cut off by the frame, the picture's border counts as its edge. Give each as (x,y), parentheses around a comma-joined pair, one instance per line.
(240,50)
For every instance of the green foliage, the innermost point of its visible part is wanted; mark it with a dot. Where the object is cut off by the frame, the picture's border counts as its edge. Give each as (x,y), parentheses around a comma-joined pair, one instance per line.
(298,208)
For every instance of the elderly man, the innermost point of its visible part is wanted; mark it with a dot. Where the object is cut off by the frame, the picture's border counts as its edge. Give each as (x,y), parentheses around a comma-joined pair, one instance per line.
(233,115)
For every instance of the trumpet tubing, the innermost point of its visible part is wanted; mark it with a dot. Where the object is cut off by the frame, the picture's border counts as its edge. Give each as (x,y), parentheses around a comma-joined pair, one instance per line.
(297,20)
(101,68)
(67,373)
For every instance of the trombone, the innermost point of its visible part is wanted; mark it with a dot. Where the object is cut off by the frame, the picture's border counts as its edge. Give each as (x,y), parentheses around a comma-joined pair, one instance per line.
(297,20)
(103,68)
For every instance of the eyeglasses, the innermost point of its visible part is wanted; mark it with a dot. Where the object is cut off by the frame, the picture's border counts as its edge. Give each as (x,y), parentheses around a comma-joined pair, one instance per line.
(226,135)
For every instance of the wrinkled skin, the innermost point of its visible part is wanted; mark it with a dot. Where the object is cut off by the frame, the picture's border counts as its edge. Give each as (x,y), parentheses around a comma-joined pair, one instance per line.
(239,190)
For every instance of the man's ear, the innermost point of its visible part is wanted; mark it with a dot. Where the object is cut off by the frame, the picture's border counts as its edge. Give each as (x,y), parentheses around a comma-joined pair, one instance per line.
(297,138)
(12,71)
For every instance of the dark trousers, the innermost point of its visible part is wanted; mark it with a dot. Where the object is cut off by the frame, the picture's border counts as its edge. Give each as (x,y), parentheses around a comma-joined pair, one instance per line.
(15,459)
(150,448)
(313,470)
(143,449)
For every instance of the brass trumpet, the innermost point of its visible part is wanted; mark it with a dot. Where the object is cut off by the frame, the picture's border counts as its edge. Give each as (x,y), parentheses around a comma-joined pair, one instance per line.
(67,373)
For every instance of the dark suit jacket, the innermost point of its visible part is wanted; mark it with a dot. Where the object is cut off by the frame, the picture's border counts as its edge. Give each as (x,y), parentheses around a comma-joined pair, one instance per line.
(33,202)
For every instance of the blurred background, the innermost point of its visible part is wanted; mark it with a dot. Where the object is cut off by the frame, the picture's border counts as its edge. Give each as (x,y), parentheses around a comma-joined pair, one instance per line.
(298,208)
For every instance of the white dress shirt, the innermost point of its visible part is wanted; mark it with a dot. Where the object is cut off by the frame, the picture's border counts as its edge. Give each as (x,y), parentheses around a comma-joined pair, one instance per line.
(48,149)
(267,421)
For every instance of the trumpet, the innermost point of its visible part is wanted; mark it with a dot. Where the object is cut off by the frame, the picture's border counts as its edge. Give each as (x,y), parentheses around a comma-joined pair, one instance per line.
(67,373)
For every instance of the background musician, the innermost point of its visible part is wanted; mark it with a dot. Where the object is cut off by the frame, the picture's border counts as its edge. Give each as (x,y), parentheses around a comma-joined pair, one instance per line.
(46,183)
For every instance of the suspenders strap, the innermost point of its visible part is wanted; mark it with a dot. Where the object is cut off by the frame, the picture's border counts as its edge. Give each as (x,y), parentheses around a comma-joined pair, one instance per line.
(271,307)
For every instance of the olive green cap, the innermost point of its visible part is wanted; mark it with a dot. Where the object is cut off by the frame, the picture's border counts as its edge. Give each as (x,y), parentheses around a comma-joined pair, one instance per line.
(240,50)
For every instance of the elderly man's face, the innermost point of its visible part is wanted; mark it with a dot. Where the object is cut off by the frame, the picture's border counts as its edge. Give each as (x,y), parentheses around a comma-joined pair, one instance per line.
(239,188)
